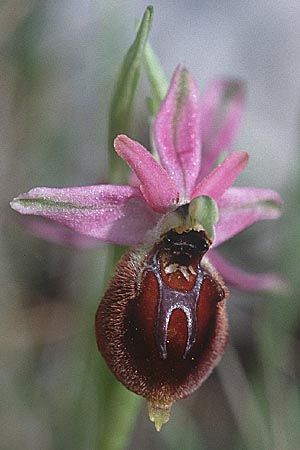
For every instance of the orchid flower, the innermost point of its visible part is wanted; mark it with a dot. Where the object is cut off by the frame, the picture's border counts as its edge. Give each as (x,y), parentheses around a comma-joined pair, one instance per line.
(184,201)
(189,135)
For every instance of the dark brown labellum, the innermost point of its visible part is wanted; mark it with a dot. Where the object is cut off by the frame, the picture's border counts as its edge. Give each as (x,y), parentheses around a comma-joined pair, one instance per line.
(162,324)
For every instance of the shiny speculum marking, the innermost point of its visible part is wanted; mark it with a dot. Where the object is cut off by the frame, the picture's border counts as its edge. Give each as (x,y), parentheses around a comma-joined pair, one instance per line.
(176,265)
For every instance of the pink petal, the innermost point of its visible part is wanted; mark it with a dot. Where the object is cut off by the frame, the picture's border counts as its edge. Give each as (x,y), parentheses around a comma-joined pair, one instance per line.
(59,234)
(241,207)
(116,214)
(243,280)
(156,186)
(240,197)
(221,113)
(177,132)
(223,176)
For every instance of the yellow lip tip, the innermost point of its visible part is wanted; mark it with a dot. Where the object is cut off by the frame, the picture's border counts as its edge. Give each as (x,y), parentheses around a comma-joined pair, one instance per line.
(158,426)
(159,413)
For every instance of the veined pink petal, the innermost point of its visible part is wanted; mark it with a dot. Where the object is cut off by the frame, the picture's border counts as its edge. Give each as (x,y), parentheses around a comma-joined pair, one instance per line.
(243,280)
(116,214)
(241,207)
(177,132)
(156,186)
(221,115)
(222,177)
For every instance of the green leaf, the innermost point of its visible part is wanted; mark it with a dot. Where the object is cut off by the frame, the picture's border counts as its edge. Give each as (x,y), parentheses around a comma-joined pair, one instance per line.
(157,79)
(122,102)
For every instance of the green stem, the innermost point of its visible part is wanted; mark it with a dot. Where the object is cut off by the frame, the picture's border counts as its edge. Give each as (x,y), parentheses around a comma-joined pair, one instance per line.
(121,415)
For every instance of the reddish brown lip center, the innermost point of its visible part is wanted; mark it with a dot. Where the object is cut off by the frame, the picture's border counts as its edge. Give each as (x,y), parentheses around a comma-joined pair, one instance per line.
(171,299)
(176,267)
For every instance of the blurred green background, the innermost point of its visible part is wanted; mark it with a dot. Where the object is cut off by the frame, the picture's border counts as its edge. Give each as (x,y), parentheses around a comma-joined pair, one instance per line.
(58,64)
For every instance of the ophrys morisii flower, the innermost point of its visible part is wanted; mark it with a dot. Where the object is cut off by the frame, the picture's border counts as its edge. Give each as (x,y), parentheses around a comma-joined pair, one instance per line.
(162,324)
